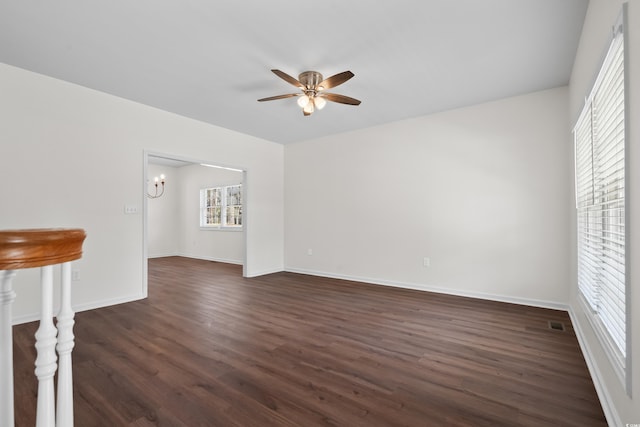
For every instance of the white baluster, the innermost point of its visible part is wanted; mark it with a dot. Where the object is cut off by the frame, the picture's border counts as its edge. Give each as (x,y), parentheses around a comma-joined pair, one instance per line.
(46,350)
(7,295)
(64,347)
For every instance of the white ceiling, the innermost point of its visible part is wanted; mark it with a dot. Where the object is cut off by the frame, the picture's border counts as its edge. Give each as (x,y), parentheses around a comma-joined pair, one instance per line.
(210,60)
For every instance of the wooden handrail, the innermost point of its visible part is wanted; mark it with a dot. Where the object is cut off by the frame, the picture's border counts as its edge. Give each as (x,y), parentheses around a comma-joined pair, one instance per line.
(39,247)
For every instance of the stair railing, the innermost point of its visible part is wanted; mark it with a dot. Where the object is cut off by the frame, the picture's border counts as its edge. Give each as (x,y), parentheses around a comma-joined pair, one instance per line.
(44,248)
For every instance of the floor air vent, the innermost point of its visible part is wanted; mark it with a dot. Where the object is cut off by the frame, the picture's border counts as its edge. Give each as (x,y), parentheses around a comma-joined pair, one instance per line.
(558,326)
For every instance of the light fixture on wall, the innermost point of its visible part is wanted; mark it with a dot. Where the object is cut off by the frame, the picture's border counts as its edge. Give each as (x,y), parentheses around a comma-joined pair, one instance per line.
(156,181)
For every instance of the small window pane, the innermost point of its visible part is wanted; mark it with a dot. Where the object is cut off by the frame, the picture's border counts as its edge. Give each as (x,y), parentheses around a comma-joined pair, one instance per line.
(234,216)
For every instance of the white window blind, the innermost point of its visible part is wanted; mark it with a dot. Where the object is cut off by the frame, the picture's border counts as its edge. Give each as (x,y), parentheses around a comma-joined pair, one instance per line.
(599,137)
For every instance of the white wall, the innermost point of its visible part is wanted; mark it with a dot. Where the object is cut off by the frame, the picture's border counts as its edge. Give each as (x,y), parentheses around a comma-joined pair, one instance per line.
(214,245)
(73,157)
(481,191)
(596,36)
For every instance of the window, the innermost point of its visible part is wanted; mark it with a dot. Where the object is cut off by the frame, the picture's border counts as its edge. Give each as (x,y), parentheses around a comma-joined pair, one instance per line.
(221,207)
(599,137)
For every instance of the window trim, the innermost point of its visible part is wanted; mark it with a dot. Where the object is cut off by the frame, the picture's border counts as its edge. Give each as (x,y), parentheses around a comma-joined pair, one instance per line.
(627,195)
(223,226)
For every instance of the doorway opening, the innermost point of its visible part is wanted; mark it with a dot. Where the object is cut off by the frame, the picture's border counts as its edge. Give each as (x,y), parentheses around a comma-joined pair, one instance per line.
(180,210)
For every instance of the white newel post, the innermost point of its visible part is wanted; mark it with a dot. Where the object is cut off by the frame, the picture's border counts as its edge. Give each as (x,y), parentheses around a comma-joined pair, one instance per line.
(7,295)
(65,346)
(40,248)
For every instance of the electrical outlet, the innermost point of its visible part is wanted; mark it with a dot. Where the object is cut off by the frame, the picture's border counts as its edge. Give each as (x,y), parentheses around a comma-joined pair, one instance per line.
(309,251)
(75,275)
(426,262)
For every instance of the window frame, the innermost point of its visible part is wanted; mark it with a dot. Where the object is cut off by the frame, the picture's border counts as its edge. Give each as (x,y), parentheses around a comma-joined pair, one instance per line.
(223,225)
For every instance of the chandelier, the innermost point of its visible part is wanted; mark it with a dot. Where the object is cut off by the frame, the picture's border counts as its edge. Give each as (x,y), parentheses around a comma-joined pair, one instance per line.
(157,180)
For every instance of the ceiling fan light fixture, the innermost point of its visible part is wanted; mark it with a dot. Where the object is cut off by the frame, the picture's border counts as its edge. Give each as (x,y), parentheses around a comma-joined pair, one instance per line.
(320,102)
(303,101)
(309,108)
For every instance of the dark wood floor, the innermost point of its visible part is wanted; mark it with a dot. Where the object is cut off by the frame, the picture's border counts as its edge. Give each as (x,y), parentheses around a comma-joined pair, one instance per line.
(210,348)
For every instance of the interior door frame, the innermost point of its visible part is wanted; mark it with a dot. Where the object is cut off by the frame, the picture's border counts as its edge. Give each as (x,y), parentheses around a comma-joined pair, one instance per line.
(145,220)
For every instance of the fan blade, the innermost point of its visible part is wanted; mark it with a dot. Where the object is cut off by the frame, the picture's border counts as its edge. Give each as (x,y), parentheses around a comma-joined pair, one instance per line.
(336,80)
(340,98)
(287,78)
(273,98)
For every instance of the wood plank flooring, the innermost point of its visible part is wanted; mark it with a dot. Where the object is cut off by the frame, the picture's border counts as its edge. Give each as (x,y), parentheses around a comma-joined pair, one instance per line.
(210,348)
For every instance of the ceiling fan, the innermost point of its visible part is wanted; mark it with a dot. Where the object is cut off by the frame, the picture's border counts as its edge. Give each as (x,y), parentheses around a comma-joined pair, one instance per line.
(313,88)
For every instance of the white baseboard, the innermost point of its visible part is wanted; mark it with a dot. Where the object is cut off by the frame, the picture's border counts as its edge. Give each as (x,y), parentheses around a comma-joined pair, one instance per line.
(264,272)
(226,261)
(215,259)
(609,409)
(32,317)
(161,255)
(427,288)
(205,258)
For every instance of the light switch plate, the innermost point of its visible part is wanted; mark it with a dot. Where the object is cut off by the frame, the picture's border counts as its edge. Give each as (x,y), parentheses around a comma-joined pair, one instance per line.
(130,209)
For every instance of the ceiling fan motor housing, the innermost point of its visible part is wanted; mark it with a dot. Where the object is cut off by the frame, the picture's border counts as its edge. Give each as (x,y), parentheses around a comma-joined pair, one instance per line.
(310,79)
